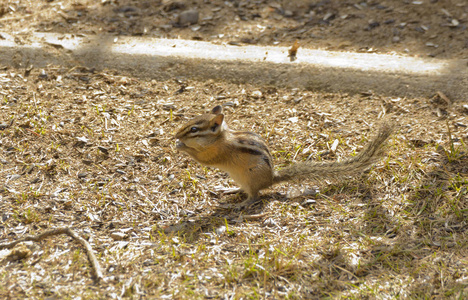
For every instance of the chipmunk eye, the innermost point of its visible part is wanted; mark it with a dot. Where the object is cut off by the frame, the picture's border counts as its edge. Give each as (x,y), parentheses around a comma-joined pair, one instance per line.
(194,129)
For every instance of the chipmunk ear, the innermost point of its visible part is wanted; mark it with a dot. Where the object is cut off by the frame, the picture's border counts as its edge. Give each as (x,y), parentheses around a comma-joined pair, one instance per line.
(217,123)
(217,110)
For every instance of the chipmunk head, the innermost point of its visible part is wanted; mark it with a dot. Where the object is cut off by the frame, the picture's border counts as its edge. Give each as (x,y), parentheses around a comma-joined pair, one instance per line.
(201,131)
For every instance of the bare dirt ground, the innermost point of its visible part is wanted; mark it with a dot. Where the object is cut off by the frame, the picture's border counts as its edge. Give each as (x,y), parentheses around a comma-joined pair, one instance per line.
(435,28)
(95,151)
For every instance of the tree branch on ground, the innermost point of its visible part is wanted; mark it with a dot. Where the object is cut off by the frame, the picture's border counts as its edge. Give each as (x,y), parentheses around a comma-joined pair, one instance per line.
(63,230)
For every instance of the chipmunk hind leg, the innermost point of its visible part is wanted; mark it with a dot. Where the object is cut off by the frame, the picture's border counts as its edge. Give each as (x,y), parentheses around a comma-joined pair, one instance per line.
(253,186)
(252,198)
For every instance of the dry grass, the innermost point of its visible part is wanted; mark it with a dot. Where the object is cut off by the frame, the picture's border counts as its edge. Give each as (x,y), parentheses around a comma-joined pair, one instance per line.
(94,151)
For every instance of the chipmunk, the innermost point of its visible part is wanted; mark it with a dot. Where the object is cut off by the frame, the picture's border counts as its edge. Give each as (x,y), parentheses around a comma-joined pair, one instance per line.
(246,158)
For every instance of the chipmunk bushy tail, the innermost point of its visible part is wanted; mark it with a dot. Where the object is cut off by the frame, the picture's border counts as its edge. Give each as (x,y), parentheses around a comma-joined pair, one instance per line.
(332,170)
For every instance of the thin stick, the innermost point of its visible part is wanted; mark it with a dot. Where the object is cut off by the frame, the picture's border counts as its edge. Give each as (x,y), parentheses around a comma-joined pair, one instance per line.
(33,132)
(343,269)
(63,230)
(16,18)
(254,217)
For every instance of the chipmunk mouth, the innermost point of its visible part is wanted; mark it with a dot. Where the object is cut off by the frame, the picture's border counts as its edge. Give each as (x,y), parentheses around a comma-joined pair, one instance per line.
(179,144)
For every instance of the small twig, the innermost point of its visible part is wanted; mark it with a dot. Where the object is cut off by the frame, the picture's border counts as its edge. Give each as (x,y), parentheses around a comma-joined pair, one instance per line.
(254,217)
(33,132)
(16,18)
(34,98)
(63,230)
(344,270)
(445,98)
